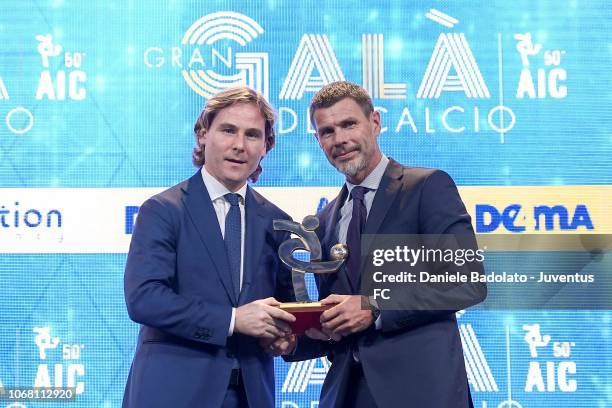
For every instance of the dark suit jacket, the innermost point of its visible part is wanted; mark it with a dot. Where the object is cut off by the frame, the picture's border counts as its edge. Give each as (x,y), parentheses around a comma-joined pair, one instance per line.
(178,287)
(416,359)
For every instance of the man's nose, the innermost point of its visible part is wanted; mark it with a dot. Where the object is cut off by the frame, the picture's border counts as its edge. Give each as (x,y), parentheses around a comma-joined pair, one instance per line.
(341,137)
(238,142)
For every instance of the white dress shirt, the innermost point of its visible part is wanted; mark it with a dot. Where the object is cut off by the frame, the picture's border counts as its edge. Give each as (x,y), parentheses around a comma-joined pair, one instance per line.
(217,191)
(372,181)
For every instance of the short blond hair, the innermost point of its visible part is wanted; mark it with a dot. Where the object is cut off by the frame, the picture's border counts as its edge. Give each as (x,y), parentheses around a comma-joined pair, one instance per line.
(227,98)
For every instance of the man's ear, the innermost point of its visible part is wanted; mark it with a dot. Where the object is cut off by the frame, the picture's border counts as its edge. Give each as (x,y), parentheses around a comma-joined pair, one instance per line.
(375,122)
(202,137)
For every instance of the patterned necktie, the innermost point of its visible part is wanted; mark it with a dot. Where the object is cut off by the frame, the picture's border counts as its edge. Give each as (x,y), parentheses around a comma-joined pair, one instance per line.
(353,236)
(232,239)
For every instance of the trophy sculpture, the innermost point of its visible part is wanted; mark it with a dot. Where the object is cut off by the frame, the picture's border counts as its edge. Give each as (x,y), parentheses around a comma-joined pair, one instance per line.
(307,313)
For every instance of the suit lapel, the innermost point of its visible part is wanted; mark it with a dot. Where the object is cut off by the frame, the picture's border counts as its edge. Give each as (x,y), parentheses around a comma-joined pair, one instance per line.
(255,234)
(330,239)
(390,185)
(202,213)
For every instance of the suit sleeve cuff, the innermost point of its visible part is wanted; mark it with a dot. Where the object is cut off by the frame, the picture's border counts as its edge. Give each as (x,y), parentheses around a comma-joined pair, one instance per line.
(232,321)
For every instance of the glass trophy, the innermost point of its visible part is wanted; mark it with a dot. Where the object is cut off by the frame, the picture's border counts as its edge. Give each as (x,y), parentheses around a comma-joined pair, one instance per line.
(307,312)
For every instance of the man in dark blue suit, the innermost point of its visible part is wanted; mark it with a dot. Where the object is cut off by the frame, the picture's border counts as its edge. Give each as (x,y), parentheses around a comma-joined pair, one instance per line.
(383,358)
(203,275)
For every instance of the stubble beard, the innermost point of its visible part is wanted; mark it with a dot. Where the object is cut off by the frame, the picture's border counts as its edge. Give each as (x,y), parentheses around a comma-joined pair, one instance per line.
(353,167)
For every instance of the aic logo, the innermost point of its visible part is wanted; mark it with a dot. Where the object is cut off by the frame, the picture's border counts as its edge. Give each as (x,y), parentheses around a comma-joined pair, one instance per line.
(545,218)
(68,82)
(62,84)
(66,372)
(549,81)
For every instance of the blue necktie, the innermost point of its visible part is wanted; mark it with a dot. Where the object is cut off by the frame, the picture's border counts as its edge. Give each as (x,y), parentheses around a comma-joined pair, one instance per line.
(353,236)
(233,232)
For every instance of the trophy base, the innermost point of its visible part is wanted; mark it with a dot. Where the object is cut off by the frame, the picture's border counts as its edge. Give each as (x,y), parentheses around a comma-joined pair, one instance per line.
(307,315)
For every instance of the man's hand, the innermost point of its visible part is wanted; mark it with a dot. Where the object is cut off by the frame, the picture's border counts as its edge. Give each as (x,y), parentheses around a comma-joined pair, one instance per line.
(263,319)
(279,346)
(347,317)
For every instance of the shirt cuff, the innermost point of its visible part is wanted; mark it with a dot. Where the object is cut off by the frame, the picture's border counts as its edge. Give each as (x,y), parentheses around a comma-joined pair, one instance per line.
(232,321)
(378,323)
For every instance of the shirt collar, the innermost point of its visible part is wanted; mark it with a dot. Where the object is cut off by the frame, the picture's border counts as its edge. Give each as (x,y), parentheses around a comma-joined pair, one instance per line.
(216,189)
(372,181)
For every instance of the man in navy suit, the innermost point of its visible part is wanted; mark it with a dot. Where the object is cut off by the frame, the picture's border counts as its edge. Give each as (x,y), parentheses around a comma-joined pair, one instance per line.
(383,358)
(203,275)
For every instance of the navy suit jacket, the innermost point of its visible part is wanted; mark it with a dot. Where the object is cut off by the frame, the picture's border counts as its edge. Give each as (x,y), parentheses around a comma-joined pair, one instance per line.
(416,359)
(178,287)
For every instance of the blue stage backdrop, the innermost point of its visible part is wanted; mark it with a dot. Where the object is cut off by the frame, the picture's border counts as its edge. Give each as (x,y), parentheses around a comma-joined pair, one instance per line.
(97,106)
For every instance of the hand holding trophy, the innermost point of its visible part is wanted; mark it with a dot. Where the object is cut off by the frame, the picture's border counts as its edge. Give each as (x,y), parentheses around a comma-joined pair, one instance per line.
(307,312)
